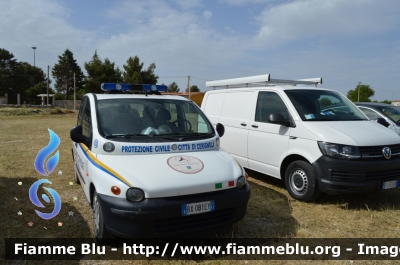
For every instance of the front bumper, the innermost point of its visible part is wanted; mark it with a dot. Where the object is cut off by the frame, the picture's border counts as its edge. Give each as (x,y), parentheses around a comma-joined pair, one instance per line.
(162,217)
(342,176)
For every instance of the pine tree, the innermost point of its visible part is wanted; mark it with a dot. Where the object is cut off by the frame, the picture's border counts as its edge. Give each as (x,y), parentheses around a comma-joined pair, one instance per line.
(173,87)
(63,73)
(8,68)
(100,72)
(134,73)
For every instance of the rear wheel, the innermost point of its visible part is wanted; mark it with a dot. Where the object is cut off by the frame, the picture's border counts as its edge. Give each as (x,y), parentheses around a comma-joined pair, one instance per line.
(100,231)
(301,181)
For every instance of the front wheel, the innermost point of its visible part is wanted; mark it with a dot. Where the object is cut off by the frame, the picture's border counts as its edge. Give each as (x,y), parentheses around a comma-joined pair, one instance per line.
(100,231)
(301,181)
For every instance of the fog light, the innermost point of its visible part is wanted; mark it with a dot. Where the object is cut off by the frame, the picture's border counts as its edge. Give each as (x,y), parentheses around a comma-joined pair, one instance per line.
(108,147)
(134,195)
(241,181)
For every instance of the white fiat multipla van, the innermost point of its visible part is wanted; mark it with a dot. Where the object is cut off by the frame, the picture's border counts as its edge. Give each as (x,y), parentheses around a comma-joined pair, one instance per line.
(151,165)
(315,139)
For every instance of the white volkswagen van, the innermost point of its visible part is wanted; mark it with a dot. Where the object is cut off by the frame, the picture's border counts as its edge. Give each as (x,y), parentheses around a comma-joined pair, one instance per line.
(151,165)
(315,139)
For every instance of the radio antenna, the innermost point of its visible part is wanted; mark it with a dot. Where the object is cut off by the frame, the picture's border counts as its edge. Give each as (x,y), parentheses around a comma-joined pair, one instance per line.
(141,80)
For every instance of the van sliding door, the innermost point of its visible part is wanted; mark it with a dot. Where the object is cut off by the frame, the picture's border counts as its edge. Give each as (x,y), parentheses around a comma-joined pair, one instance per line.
(268,142)
(235,116)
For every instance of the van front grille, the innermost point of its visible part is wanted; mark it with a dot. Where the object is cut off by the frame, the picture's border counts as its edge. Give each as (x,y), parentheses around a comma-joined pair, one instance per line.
(375,152)
(357,176)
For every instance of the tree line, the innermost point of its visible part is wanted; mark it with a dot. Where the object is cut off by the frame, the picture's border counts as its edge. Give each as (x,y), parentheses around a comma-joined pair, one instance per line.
(29,81)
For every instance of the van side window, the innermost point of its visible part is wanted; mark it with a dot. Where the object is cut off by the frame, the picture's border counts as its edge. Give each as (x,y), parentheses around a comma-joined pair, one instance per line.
(268,103)
(87,120)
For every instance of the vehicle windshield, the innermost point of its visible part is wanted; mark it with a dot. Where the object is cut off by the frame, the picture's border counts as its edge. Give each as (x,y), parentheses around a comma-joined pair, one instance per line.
(392,112)
(165,119)
(323,105)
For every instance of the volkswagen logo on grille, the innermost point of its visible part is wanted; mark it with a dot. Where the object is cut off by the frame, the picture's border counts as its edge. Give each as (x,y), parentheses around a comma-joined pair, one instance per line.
(387,153)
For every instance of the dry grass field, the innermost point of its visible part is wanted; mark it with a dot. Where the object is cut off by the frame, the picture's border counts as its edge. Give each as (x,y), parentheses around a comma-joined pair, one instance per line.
(271,211)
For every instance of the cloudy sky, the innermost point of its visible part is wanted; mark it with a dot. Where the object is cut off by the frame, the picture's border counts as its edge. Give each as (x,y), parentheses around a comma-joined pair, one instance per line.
(342,41)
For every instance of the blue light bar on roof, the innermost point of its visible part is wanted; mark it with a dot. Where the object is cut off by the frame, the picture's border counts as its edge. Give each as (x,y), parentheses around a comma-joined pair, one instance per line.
(133,87)
(115,87)
(159,88)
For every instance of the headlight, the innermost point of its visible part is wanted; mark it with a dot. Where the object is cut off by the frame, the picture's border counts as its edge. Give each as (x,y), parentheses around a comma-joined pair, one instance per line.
(339,151)
(108,147)
(217,141)
(134,195)
(240,182)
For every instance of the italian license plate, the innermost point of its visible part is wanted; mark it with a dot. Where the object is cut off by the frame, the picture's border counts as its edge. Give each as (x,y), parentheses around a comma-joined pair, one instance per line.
(390,184)
(198,207)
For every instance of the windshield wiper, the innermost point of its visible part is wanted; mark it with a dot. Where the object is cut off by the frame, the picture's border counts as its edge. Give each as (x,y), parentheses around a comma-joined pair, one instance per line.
(181,136)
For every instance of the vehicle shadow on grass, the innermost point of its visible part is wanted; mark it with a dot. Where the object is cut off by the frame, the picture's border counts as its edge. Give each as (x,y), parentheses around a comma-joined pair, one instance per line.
(19,219)
(371,201)
(376,200)
(269,215)
(266,179)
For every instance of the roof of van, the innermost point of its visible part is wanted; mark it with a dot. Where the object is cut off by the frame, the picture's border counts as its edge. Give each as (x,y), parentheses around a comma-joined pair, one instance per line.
(281,88)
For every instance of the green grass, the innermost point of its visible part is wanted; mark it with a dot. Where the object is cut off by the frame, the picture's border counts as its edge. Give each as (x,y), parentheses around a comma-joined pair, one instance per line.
(271,212)
(24,111)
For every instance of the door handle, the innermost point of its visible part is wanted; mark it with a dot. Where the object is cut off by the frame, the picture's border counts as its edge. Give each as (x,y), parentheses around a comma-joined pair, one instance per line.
(243,124)
(76,145)
(254,126)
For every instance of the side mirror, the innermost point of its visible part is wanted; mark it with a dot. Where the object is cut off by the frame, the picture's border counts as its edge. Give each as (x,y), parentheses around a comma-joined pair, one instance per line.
(278,118)
(382,121)
(76,135)
(220,129)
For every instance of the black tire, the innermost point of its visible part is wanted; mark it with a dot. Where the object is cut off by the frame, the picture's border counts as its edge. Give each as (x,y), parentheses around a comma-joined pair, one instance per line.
(301,181)
(76,179)
(100,231)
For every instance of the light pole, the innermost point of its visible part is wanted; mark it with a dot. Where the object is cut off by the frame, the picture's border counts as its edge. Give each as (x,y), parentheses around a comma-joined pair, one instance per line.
(34,48)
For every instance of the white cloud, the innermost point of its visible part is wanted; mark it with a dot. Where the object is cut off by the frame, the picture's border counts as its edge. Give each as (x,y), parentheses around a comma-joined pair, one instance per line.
(230,30)
(42,24)
(175,40)
(304,19)
(334,39)
(207,14)
(188,4)
(246,2)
